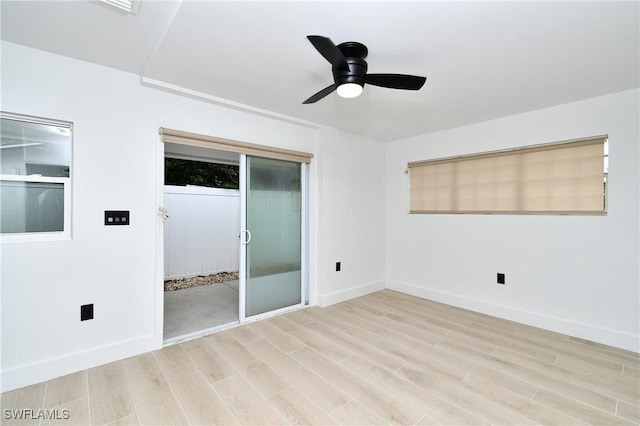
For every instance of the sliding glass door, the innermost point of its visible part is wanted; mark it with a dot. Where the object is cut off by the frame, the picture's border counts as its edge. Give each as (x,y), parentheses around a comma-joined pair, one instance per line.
(272,267)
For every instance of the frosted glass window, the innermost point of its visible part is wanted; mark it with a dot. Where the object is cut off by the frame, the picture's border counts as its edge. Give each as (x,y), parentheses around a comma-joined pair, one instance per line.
(31,207)
(35,171)
(562,178)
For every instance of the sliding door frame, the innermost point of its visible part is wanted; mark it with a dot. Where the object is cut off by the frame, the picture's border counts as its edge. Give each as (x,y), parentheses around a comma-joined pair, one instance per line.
(243,149)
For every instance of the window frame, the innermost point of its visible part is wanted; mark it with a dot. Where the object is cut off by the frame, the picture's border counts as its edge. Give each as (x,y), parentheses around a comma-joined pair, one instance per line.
(516,151)
(66,233)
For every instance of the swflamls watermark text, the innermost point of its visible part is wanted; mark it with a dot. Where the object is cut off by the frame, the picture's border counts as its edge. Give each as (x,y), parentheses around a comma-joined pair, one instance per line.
(31,414)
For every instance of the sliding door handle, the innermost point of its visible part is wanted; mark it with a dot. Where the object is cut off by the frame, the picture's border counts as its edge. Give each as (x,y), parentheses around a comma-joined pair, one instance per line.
(248,235)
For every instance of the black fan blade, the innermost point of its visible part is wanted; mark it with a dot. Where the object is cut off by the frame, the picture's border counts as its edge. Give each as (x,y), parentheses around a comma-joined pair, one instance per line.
(330,51)
(321,94)
(396,81)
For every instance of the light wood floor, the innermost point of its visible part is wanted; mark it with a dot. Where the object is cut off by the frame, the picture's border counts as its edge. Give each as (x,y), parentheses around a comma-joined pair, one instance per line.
(379,359)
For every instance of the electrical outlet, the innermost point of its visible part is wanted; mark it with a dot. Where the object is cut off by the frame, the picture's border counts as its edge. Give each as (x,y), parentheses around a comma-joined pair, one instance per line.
(337,266)
(86,312)
(501,278)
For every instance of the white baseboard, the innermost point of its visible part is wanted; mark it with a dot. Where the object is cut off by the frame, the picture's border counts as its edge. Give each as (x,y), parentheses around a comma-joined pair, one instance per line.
(28,374)
(590,332)
(350,293)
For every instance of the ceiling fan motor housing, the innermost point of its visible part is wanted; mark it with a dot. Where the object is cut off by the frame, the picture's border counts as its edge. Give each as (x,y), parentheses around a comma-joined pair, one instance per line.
(356,73)
(354,53)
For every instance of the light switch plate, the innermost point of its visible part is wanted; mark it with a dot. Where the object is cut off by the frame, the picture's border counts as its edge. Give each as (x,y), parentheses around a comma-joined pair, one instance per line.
(116,217)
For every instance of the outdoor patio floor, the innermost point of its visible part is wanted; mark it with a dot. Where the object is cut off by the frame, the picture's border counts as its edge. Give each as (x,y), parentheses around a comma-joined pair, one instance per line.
(198,308)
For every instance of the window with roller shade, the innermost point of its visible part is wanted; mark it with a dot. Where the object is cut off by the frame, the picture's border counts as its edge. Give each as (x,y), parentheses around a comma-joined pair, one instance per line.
(559,178)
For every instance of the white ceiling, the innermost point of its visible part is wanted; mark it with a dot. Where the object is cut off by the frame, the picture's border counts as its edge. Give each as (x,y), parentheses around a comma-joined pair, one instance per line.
(483,60)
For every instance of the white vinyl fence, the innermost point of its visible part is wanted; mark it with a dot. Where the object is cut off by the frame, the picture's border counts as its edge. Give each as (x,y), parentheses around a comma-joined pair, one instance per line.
(201,234)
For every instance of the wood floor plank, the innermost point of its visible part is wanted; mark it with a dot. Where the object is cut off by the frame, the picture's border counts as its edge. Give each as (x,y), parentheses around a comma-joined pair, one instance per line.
(264,379)
(605,384)
(580,410)
(631,372)
(283,323)
(519,404)
(409,355)
(244,335)
(315,341)
(425,362)
(171,357)
(575,348)
(109,396)
(398,324)
(346,340)
(624,356)
(491,325)
(213,366)
(629,411)
(426,421)
(540,379)
(448,313)
(201,404)
(435,333)
(504,340)
(232,350)
(354,413)
(593,356)
(302,317)
(384,405)
(455,395)
(126,421)
(327,396)
(419,398)
(276,336)
(451,319)
(466,364)
(299,410)
(246,404)
(66,389)
(27,398)
(578,356)
(70,413)
(394,298)
(581,363)
(341,312)
(152,396)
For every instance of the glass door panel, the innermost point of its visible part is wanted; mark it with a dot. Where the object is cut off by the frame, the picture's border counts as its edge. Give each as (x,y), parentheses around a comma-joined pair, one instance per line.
(273,275)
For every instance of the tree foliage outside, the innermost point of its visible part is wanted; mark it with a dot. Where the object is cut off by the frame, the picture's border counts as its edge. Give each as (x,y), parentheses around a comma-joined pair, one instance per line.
(180,172)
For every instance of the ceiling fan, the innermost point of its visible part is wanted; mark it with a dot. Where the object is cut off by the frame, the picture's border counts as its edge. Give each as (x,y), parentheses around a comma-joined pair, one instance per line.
(350,70)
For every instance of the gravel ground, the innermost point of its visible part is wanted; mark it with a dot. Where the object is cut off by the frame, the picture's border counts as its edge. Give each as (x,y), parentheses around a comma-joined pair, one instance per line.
(182,283)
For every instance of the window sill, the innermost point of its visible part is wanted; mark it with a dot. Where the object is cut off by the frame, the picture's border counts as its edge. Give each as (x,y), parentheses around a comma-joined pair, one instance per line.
(35,237)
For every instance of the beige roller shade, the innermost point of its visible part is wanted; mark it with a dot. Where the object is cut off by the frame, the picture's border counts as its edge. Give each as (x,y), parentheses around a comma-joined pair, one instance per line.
(204,141)
(561,178)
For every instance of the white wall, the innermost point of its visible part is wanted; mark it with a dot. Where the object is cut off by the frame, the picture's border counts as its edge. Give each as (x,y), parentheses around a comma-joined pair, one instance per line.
(352,219)
(573,274)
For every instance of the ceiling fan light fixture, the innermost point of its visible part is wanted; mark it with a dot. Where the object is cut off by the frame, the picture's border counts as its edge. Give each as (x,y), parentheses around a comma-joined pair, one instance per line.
(349,90)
